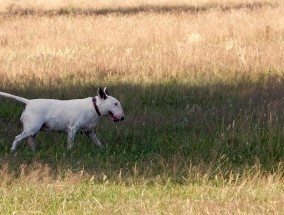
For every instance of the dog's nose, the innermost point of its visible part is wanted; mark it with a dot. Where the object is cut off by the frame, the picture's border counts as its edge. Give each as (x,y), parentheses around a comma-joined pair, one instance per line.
(122,118)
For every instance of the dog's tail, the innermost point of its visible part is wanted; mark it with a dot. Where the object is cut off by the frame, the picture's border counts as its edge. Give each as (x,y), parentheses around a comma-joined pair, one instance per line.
(18,98)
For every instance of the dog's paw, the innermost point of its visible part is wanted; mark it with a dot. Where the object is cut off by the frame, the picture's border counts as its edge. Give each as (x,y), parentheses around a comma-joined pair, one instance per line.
(104,145)
(12,150)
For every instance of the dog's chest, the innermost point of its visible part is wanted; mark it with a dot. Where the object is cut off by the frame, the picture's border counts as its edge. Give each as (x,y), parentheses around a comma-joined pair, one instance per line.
(88,125)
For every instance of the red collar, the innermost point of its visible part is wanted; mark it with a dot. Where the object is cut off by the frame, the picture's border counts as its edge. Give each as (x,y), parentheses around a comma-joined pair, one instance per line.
(96,107)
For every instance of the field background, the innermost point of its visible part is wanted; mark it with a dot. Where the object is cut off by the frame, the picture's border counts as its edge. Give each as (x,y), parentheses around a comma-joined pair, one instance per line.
(201,84)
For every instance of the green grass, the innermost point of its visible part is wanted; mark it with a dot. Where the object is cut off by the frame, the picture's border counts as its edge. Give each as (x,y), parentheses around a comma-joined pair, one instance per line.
(177,143)
(168,121)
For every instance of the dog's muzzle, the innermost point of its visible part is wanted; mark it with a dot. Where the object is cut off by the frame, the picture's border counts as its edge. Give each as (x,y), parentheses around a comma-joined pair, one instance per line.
(114,118)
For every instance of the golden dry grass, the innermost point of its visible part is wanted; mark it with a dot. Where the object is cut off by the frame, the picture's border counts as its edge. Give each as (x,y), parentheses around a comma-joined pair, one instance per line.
(147,47)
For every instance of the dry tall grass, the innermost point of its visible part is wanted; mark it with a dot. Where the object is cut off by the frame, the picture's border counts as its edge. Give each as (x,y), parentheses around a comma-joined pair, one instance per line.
(147,47)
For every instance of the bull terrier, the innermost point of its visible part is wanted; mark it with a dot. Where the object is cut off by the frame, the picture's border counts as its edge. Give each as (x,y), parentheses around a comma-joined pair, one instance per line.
(68,116)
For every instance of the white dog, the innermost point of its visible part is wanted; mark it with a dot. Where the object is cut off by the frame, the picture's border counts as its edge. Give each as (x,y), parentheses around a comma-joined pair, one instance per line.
(66,115)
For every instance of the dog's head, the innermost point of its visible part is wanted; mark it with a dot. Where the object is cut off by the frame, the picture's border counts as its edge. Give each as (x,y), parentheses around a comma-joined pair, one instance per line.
(109,106)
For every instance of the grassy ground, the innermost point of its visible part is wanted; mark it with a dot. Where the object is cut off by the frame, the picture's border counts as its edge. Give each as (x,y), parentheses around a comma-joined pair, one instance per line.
(202,91)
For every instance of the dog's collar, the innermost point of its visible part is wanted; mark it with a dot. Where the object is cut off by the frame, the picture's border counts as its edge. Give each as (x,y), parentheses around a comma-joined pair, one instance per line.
(96,107)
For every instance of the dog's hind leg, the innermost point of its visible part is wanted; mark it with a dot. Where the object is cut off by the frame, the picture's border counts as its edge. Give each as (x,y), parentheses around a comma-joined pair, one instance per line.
(31,142)
(71,136)
(29,131)
(18,140)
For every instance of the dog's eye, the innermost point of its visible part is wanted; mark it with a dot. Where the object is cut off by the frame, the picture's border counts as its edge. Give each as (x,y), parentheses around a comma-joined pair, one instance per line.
(115,104)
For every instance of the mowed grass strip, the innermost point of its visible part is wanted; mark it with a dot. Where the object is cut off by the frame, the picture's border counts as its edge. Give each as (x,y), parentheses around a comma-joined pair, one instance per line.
(80,193)
(203,97)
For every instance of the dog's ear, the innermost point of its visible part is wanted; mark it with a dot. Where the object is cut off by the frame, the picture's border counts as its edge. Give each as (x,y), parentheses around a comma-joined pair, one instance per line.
(101,93)
(106,91)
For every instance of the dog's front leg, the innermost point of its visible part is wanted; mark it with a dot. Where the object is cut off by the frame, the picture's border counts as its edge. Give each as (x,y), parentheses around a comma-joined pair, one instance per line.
(71,136)
(94,138)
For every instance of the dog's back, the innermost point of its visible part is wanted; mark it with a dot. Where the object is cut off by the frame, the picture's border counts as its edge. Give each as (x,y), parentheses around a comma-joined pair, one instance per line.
(59,114)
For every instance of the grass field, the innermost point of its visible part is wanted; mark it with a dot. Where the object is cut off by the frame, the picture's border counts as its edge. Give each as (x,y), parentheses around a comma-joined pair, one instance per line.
(201,84)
